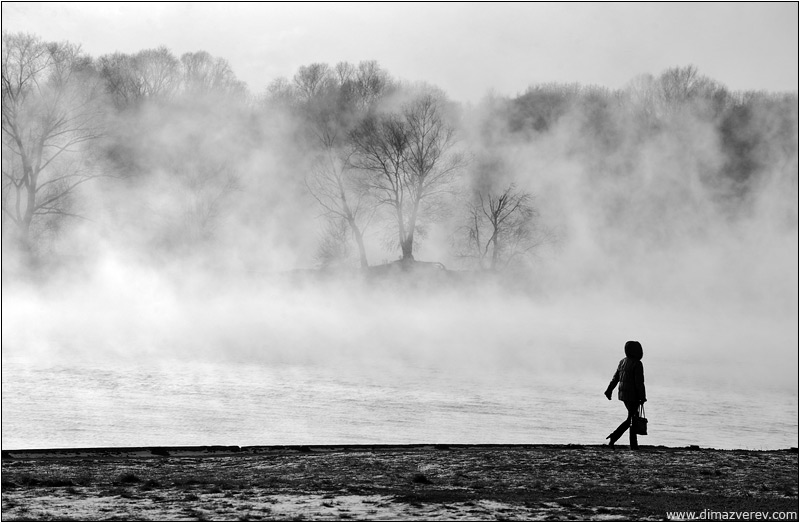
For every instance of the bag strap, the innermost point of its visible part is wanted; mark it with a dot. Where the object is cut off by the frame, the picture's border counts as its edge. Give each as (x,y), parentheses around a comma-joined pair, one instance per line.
(641,409)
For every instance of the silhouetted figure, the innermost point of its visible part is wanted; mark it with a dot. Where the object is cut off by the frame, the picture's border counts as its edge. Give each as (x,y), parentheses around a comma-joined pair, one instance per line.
(630,376)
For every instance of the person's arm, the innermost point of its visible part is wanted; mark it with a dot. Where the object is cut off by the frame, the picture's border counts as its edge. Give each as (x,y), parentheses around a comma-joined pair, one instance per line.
(640,390)
(613,384)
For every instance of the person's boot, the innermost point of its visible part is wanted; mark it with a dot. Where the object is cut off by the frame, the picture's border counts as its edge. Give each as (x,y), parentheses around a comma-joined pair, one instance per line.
(634,440)
(614,436)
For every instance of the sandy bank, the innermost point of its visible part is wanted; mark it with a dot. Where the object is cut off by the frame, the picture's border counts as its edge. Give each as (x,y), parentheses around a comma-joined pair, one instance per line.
(394,482)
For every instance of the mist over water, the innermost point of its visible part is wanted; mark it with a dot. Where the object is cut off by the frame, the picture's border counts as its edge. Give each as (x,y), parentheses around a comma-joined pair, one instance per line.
(250,404)
(141,362)
(178,314)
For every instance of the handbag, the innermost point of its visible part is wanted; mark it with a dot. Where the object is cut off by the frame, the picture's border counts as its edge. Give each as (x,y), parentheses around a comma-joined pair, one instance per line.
(639,423)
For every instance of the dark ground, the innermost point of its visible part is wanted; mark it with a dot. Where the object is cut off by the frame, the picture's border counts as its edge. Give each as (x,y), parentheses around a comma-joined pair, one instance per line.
(405,482)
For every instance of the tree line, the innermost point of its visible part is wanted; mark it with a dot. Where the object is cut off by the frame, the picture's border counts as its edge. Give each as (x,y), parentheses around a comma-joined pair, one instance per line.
(377,156)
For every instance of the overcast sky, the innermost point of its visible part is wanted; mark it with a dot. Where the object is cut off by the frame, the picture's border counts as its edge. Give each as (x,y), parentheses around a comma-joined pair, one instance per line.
(465,48)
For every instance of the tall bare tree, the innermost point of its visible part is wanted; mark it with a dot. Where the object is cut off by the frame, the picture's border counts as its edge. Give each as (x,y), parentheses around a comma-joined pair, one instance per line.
(50,110)
(381,143)
(344,200)
(331,104)
(412,160)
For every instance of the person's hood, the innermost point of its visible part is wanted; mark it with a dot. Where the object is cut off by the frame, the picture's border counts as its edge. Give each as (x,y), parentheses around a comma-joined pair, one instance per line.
(633,349)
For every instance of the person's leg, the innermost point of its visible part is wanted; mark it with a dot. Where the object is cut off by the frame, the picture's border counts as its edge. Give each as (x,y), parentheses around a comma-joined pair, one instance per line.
(614,436)
(633,412)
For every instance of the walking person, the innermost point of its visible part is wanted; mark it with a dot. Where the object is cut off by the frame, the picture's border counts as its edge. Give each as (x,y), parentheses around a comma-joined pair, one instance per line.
(630,376)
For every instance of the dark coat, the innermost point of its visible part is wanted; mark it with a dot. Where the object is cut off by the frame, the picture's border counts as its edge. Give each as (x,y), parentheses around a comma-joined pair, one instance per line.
(630,375)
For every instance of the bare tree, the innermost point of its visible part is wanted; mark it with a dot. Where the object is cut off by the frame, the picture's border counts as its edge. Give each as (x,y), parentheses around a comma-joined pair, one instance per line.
(380,143)
(280,94)
(149,74)
(501,227)
(311,79)
(363,86)
(371,82)
(203,75)
(50,111)
(344,72)
(412,161)
(344,200)
(121,84)
(333,246)
(678,89)
(678,85)
(331,102)
(158,72)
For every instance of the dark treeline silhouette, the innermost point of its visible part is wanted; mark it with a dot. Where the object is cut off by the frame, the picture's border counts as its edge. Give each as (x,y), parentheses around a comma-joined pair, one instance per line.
(174,157)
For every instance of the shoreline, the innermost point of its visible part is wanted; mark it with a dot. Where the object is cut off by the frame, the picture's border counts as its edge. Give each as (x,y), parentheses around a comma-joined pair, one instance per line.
(177,451)
(396,482)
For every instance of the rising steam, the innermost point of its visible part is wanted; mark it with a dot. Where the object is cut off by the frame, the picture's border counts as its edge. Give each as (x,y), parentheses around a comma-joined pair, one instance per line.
(201,242)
